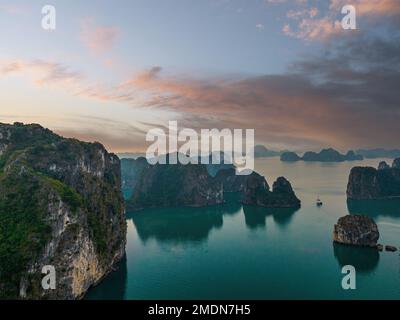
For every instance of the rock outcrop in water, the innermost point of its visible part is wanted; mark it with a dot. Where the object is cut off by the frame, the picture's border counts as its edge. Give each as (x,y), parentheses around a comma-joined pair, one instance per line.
(325,155)
(60,205)
(356,230)
(172,185)
(369,183)
(256,191)
(290,157)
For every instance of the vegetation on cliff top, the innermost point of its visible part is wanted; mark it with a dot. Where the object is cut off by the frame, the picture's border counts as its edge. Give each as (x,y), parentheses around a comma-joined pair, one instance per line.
(28,184)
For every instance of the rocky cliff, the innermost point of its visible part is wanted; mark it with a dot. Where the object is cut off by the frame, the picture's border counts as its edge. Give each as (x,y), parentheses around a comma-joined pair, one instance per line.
(171,185)
(356,230)
(256,191)
(60,205)
(230,181)
(370,183)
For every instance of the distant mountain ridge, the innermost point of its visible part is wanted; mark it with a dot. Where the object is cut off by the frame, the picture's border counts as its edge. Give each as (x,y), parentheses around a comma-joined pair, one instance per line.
(379,153)
(325,155)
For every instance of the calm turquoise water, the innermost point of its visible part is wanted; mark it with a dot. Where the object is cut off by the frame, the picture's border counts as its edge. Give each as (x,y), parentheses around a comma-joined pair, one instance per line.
(231,252)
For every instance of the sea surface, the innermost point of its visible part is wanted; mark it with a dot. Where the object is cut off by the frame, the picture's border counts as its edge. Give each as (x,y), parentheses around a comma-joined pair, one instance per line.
(236,252)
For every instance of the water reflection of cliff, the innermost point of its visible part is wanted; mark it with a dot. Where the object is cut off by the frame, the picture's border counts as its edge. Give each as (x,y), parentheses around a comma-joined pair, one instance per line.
(363,259)
(177,224)
(255,217)
(113,287)
(192,225)
(375,208)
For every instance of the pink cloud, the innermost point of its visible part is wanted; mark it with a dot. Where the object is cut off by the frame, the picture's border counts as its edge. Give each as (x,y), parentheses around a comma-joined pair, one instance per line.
(309,27)
(314,29)
(98,39)
(41,72)
(286,108)
(370,7)
(311,13)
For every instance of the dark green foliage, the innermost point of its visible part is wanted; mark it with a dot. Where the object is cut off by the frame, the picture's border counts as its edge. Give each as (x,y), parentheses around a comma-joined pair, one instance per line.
(67,194)
(37,167)
(23,229)
(168,183)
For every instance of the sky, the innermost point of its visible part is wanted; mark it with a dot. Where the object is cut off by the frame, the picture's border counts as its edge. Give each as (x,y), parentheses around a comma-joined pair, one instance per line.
(112,70)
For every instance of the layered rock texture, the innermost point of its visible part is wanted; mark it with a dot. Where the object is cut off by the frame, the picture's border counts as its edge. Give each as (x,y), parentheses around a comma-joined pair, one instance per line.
(356,230)
(370,183)
(60,205)
(325,155)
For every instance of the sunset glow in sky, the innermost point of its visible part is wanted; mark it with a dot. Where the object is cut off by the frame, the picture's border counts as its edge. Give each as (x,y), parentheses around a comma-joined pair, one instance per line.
(113,69)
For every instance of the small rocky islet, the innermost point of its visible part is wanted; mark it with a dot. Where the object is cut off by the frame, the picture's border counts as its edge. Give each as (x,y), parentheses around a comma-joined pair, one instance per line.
(360,231)
(357,230)
(368,184)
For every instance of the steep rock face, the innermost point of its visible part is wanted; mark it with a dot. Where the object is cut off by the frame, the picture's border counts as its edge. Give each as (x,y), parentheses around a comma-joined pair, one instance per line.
(170,185)
(369,183)
(257,192)
(356,230)
(60,205)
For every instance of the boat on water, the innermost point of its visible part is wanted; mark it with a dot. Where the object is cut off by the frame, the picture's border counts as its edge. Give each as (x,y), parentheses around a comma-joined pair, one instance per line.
(319,202)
